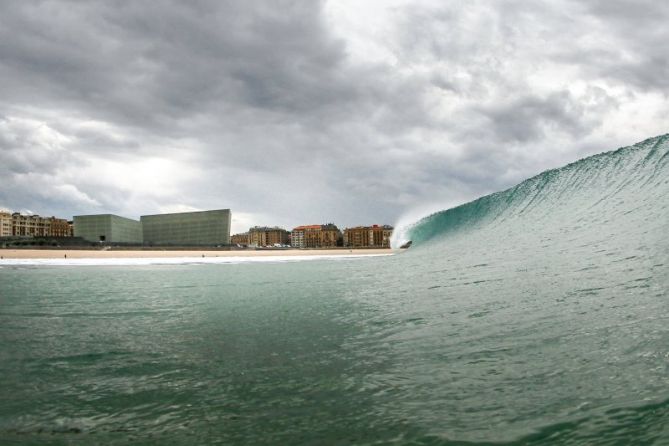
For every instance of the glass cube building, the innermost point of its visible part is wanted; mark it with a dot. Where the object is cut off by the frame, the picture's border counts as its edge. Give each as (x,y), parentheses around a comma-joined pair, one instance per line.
(187,228)
(107,228)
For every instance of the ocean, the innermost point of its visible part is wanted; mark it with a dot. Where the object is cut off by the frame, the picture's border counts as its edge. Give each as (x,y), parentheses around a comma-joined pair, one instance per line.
(536,315)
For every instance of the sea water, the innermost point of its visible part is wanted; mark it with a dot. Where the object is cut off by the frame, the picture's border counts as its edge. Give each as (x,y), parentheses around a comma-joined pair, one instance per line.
(537,315)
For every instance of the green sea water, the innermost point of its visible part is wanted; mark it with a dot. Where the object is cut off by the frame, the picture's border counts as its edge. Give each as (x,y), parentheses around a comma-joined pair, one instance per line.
(537,315)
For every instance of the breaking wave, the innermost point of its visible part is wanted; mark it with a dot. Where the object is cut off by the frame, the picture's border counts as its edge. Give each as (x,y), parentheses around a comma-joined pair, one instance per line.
(618,191)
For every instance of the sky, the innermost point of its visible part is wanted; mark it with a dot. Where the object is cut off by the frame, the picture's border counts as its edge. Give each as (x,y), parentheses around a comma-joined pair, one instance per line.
(307,112)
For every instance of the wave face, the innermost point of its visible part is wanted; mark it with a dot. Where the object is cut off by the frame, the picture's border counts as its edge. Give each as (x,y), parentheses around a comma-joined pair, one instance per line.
(548,304)
(613,192)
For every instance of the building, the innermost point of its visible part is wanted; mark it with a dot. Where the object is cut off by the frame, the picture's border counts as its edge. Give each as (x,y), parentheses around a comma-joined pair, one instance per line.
(240,239)
(264,236)
(5,224)
(59,227)
(187,228)
(374,236)
(315,236)
(107,228)
(19,225)
(28,225)
(387,235)
(297,237)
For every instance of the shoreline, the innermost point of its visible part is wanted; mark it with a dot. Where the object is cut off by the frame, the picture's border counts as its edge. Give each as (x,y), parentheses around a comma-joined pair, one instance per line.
(7,253)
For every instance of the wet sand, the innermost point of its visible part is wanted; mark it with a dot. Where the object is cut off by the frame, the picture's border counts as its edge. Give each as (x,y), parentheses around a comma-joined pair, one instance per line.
(154,254)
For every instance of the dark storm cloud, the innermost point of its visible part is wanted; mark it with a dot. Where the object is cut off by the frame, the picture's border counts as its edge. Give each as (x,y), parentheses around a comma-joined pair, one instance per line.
(145,65)
(525,119)
(634,51)
(282,111)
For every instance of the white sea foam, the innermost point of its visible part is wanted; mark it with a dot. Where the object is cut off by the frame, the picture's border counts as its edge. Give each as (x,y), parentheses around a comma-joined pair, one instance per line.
(412,216)
(139,261)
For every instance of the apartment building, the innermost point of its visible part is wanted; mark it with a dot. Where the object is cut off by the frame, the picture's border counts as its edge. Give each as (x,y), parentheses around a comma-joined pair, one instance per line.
(5,224)
(375,236)
(240,239)
(315,236)
(28,225)
(33,226)
(265,236)
(59,227)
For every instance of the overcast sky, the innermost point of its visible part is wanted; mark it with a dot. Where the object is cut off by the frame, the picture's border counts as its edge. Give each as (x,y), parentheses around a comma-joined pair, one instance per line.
(288,113)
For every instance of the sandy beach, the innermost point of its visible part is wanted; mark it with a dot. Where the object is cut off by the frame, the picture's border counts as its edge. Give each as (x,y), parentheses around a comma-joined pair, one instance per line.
(153,254)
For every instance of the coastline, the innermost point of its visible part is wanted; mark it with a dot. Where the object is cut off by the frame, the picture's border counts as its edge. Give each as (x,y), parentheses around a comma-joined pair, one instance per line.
(6,253)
